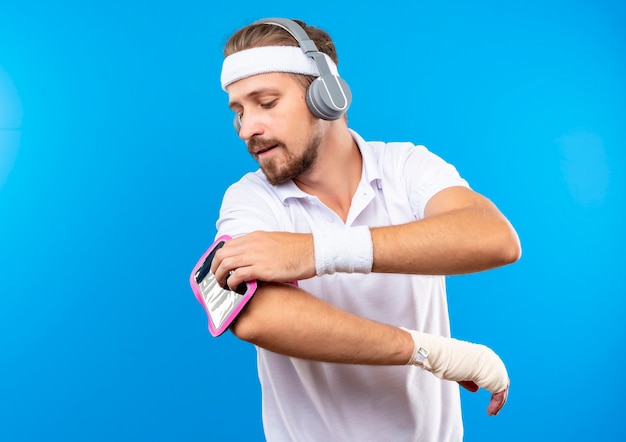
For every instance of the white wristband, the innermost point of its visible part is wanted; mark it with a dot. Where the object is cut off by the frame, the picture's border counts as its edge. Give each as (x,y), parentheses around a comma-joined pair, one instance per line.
(346,250)
(455,360)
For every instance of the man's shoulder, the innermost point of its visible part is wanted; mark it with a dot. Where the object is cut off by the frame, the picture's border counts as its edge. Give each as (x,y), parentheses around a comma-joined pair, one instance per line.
(392,157)
(381,148)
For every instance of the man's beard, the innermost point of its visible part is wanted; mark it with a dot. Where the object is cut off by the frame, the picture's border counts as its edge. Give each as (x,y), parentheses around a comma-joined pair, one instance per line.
(277,171)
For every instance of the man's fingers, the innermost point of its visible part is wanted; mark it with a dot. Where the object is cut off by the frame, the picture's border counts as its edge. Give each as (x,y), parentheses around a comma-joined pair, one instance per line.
(497,402)
(497,399)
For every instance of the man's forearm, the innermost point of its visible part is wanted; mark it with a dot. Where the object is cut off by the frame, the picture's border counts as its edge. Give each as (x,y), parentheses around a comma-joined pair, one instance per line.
(460,241)
(289,321)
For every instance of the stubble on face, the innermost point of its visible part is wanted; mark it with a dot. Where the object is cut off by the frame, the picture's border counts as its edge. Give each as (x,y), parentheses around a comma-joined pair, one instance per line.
(289,165)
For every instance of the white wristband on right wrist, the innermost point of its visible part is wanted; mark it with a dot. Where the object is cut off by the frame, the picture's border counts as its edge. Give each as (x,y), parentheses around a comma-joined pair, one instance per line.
(455,360)
(347,250)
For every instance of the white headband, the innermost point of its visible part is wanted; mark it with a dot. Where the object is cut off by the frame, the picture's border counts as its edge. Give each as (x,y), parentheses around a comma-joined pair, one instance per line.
(265,59)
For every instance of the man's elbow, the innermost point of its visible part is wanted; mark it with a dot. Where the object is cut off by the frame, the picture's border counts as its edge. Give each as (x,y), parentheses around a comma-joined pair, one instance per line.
(510,250)
(245,327)
(256,321)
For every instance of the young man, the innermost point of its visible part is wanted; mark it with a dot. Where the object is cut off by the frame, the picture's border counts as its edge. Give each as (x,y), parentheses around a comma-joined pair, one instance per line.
(369,230)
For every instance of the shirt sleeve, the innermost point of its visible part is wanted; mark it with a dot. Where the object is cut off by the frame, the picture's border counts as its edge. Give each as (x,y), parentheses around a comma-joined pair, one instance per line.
(247,206)
(427,174)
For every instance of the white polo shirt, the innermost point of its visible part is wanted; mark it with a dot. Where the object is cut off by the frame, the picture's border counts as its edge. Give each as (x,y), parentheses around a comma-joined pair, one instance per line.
(314,401)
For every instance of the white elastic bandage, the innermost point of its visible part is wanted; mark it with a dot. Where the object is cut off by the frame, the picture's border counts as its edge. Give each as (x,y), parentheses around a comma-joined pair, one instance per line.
(265,59)
(455,360)
(346,250)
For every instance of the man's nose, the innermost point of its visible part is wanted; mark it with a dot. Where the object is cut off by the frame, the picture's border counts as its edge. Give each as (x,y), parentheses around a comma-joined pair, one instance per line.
(249,126)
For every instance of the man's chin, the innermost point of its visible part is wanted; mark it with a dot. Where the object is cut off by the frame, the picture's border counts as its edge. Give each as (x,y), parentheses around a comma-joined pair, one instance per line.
(272,178)
(274,181)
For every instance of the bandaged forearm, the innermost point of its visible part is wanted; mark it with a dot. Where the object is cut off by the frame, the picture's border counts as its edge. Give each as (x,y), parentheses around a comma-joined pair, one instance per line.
(455,360)
(346,250)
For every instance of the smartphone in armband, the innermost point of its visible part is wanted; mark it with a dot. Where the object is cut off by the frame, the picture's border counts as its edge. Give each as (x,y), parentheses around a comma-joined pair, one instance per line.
(221,304)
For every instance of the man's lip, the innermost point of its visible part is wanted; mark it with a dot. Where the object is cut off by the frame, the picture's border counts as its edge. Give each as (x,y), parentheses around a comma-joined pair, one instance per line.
(264,149)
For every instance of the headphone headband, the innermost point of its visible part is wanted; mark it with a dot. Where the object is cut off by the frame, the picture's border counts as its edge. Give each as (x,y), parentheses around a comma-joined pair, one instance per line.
(294,29)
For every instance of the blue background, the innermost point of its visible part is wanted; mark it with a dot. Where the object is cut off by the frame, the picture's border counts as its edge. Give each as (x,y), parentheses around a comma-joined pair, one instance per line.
(116,145)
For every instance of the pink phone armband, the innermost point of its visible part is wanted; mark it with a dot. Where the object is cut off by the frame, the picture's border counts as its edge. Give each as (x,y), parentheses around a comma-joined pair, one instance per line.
(221,305)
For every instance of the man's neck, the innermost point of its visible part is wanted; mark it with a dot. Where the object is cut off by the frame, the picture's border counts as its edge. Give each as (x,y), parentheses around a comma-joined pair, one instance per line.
(337,171)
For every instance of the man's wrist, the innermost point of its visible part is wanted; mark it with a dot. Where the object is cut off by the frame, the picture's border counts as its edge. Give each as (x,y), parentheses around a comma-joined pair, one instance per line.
(346,250)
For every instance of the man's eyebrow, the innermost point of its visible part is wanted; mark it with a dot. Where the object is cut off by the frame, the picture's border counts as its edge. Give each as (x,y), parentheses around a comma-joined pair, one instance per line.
(253,95)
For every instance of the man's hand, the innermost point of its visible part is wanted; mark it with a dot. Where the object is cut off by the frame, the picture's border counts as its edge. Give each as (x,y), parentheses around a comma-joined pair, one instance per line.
(265,256)
(472,366)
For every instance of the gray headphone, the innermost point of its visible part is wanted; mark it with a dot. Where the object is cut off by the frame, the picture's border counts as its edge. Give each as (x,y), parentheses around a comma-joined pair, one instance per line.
(328,97)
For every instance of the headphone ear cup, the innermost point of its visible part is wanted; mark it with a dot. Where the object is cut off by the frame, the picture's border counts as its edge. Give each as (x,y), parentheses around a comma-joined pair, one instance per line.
(237,123)
(328,97)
